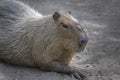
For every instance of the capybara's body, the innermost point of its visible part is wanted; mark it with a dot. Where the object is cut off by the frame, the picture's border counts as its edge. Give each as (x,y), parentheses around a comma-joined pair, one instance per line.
(28,38)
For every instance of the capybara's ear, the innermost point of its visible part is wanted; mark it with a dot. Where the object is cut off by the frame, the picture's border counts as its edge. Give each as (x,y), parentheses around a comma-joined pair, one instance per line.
(69,12)
(56,16)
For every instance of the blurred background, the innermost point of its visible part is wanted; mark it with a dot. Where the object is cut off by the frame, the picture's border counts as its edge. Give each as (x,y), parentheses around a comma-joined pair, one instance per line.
(101,59)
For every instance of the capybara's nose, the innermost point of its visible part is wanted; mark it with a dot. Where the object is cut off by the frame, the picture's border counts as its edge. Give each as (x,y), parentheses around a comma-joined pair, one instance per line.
(83,38)
(83,41)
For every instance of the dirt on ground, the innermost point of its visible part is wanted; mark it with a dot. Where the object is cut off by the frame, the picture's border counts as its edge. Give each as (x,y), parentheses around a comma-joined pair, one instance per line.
(100,60)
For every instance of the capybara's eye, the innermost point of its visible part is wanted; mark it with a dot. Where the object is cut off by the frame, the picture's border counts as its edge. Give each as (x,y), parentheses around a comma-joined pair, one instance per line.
(64,25)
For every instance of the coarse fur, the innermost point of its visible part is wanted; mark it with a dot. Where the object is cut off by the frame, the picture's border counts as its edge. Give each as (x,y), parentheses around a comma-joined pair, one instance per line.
(29,38)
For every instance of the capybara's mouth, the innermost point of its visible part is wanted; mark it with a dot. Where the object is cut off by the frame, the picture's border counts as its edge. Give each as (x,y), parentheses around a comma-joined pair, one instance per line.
(82,47)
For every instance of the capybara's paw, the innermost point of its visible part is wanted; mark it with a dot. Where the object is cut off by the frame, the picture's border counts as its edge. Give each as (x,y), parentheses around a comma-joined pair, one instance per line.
(78,75)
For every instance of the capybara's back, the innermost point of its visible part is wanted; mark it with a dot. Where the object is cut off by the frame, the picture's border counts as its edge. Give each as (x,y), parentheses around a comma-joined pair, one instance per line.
(13,15)
(48,42)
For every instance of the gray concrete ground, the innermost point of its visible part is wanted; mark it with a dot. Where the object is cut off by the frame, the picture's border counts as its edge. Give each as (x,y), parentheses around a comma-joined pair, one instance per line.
(101,59)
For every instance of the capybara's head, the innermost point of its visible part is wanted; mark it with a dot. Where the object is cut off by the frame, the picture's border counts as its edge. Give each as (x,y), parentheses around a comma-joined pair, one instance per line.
(71,30)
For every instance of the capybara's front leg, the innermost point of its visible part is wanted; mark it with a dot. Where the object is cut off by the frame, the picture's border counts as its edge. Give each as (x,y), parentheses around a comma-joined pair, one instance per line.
(58,67)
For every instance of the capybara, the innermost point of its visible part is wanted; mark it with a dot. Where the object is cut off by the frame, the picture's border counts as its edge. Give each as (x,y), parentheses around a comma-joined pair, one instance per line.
(48,42)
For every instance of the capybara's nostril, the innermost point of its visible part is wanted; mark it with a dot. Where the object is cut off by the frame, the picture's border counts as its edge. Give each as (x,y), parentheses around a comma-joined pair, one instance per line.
(83,41)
